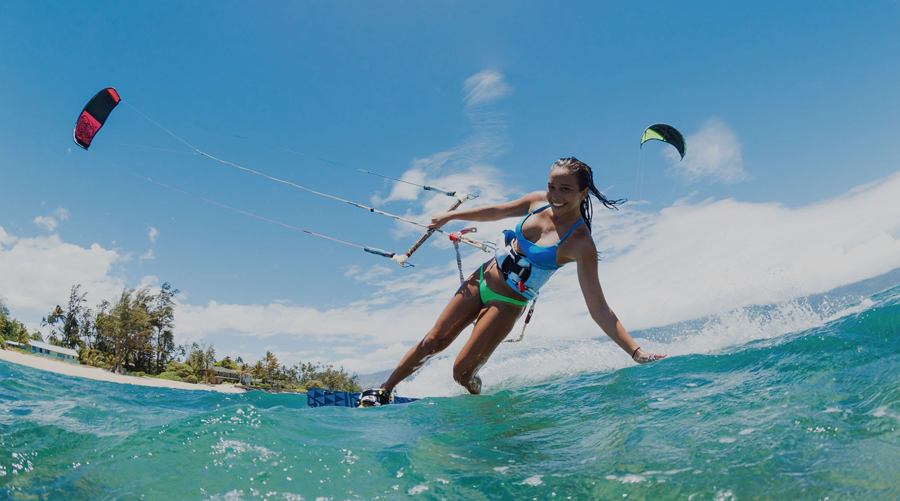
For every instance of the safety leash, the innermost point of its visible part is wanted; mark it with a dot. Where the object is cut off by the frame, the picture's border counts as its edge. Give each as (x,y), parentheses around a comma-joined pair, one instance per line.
(527,319)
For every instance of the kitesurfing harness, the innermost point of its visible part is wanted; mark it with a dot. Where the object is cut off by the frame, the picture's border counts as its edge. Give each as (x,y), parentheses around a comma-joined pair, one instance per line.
(528,271)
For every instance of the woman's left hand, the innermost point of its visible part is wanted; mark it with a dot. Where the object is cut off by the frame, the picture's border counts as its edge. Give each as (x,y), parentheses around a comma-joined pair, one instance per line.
(440,219)
(643,357)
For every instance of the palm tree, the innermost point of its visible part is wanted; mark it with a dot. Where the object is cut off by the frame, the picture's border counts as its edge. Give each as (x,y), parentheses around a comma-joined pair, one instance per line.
(271,364)
(258,370)
(243,370)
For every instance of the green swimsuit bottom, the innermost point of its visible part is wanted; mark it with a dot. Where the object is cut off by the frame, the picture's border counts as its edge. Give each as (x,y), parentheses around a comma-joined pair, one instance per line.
(489,295)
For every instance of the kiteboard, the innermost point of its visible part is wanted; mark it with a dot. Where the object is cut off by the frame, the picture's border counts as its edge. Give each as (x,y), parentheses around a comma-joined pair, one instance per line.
(328,398)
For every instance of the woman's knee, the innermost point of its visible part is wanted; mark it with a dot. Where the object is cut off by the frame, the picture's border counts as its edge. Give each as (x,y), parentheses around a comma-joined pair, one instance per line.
(466,378)
(462,373)
(437,340)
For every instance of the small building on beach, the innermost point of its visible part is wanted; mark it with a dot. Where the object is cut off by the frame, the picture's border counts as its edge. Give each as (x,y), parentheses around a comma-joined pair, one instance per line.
(48,350)
(222,375)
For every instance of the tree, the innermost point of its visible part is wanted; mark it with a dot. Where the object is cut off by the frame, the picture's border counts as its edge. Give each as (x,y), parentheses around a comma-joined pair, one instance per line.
(4,313)
(227,363)
(243,370)
(93,357)
(163,322)
(331,378)
(202,359)
(258,370)
(126,325)
(12,329)
(67,328)
(271,366)
(52,320)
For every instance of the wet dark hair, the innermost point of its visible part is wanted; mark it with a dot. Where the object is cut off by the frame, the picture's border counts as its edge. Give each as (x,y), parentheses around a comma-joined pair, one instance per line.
(585,178)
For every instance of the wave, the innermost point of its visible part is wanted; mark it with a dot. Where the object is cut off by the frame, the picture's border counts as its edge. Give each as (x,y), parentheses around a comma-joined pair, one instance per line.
(541,358)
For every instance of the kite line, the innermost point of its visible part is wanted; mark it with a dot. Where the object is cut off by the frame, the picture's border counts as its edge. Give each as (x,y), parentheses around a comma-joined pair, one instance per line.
(98,108)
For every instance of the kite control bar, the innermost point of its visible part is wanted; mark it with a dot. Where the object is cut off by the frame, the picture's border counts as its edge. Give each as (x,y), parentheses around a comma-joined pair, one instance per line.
(402,258)
(459,236)
(456,236)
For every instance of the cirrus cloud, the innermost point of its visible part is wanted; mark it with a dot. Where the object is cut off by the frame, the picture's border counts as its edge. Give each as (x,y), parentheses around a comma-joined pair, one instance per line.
(485,87)
(713,154)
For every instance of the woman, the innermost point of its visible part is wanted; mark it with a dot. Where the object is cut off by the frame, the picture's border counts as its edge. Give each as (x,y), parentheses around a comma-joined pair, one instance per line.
(556,230)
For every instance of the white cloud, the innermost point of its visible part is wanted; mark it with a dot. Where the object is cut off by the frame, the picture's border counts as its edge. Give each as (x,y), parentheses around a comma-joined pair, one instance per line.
(148,255)
(6,238)
(465,168)
(373,361)
(50,223)
(684,262)
(153,234)
(687,261)
(692,260)
(149,280)
(37,273)
(373,272)
(61,213)
(485,87)
(713,154)
(46,222)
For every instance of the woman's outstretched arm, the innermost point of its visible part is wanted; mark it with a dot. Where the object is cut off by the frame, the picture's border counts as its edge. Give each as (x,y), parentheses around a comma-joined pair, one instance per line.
(496,212)
(600,311)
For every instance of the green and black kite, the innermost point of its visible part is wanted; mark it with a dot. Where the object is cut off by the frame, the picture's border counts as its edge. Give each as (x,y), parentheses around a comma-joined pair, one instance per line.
(667,134)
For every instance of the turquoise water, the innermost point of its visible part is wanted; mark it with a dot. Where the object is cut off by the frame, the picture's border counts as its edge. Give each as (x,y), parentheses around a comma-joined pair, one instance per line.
(794,401)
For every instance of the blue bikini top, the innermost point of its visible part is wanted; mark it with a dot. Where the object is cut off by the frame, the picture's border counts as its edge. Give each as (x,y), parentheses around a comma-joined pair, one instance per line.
(544,257)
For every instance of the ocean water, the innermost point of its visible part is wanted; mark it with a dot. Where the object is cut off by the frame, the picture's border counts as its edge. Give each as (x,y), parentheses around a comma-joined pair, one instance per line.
(793,401)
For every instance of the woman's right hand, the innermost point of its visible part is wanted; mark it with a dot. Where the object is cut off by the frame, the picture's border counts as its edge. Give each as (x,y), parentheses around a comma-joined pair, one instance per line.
(440,219)
(643,357)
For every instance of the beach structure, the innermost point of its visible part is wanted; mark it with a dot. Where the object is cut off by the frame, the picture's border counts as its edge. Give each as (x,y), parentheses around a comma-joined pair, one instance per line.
(223,375)
(47,350)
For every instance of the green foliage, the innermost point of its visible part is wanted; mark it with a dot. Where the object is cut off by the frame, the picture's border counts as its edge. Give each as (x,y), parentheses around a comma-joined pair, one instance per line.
(171,376)
(14,330)
(202,359)
(10,328)
(126,325)
(330,378)
(227,363)
(136,333)
(72,327)
(93,357)
(180,370)
(163,322)
(4,315)
(301,376)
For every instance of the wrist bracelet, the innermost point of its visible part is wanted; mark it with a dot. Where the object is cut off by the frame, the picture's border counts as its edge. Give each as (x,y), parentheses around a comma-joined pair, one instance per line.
(635,352)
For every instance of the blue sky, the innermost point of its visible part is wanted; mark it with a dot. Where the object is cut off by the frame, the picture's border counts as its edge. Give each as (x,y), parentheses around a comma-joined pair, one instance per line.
(786,108)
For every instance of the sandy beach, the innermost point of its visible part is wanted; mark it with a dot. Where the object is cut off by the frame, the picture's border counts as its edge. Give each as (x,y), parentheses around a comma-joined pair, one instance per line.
(95,373)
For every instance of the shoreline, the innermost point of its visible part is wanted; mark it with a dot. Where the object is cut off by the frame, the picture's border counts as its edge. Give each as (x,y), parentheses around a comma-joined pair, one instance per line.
(98,374)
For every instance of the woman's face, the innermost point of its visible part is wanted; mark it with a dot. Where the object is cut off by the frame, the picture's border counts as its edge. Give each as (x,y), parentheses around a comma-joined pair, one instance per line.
(563,193)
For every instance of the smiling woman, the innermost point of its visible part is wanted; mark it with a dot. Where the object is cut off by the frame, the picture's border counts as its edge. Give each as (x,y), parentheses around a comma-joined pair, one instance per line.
(495,295)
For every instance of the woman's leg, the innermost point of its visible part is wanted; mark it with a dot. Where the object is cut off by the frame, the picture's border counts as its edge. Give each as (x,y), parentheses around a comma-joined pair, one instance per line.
(493,325)
(459,313)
